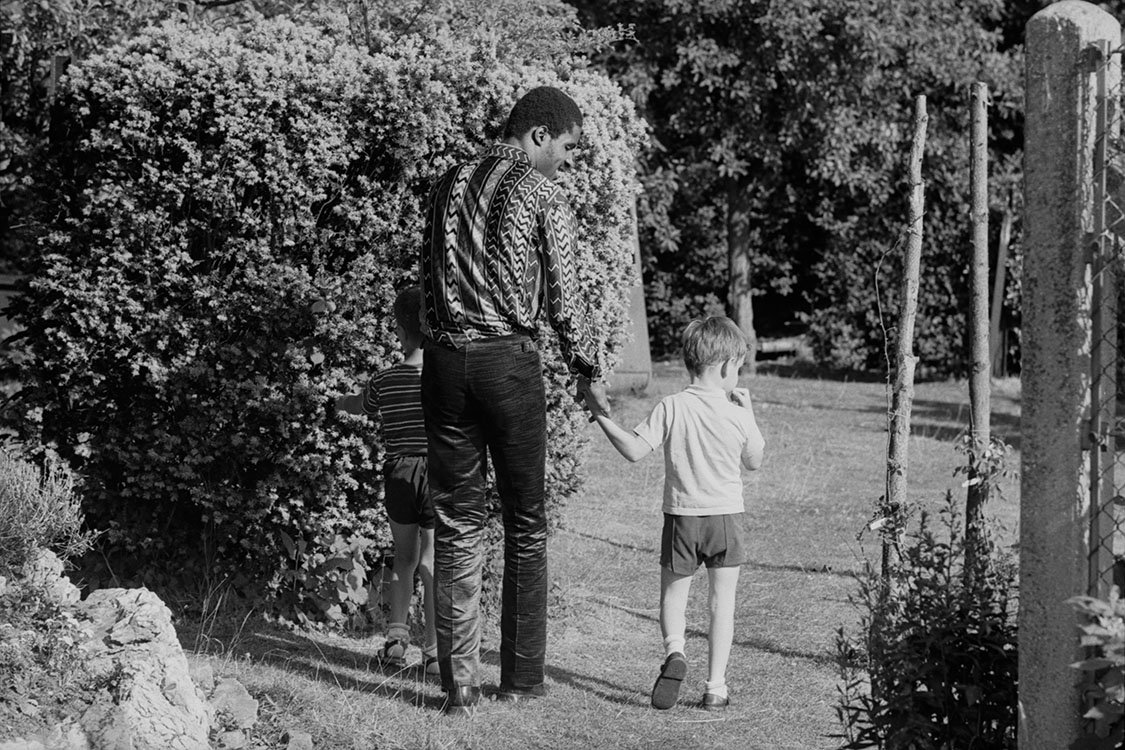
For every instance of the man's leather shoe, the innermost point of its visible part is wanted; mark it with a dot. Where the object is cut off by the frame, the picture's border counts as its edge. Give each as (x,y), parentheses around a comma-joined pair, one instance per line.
(517,695)
(461,700)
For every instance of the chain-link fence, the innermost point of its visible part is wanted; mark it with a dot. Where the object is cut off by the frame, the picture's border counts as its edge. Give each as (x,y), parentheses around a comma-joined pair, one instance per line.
(1106,433)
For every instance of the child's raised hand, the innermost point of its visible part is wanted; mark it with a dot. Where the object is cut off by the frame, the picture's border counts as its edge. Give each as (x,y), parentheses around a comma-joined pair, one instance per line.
(741,396)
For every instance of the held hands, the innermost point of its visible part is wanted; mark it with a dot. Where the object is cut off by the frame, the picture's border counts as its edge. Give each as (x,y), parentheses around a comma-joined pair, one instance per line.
(593,396)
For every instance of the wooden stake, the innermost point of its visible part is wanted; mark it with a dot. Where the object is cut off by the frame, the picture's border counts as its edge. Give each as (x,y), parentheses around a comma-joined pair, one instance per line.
(980,405)
(903,394)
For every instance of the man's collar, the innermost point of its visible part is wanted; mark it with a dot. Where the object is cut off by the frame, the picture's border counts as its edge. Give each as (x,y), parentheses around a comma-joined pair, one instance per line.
(515,153)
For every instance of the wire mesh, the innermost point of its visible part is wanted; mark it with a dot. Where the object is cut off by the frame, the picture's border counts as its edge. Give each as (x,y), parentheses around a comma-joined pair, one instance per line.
(1107,255)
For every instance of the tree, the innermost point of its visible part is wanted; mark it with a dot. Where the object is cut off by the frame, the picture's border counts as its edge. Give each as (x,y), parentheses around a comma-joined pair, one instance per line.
(783,128)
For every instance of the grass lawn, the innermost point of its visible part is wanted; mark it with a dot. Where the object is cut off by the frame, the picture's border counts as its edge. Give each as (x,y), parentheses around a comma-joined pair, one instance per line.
(824,470)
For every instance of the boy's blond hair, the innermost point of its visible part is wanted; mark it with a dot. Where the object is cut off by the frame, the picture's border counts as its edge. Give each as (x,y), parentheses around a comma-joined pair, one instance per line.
(711,341)
(407,307)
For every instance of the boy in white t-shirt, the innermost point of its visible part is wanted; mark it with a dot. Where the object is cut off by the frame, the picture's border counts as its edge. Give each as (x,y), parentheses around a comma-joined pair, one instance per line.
(709,433)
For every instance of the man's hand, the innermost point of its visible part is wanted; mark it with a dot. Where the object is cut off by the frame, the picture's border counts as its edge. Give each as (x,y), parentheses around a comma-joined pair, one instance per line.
(593,396)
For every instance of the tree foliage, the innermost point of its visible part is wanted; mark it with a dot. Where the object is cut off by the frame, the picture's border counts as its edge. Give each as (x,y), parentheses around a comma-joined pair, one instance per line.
(803,109)
(237,205)
(37,41)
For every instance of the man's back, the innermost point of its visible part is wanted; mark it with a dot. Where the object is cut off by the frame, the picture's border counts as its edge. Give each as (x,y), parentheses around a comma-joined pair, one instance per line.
(482,268)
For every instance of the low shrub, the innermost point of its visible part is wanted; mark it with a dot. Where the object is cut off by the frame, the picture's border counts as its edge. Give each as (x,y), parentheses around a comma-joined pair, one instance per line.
(41,677)
(38,510)
(1103,633)
(933,664)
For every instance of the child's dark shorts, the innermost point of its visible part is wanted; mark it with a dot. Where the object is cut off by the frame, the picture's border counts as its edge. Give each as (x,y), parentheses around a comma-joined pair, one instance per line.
(690,541)
(406,492)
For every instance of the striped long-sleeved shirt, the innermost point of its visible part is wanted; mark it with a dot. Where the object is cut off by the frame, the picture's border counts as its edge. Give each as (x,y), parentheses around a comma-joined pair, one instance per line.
(499,247)
(396,394)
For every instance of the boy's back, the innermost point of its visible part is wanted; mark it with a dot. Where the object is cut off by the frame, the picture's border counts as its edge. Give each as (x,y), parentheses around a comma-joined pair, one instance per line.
(707,439)
(396,393)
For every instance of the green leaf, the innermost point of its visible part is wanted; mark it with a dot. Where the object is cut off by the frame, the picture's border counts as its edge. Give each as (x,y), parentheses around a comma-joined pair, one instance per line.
(287,541)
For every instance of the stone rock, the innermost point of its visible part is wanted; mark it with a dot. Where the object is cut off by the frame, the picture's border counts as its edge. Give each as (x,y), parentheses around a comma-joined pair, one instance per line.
(233,740)
(65,736)
(44,573)
(232,699)
(150,702)
(202,675)
(295,740)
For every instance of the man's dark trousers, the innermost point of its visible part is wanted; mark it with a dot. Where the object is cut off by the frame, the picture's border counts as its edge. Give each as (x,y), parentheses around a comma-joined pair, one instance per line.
(488,394)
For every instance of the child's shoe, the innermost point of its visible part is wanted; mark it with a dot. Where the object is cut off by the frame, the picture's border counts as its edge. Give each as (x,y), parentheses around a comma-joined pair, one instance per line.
(429,664)
(712,702)
(393,653)
(667,687)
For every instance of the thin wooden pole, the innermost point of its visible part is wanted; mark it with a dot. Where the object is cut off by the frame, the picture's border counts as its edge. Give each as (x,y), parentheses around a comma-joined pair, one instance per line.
(980,405)
(903,394)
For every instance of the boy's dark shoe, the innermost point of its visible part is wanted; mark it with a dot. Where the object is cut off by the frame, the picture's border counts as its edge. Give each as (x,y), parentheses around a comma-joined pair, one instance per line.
(667,687)
(517,695)
(712,702)
(461,700)
(393,654)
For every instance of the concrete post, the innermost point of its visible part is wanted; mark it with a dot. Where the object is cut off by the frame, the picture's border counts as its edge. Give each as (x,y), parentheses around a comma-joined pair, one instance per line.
(634,370)
(1054,489)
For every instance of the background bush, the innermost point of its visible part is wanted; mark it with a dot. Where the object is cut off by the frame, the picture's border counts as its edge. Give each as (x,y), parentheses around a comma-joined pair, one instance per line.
(237,207)
(1102,623)
(34,33)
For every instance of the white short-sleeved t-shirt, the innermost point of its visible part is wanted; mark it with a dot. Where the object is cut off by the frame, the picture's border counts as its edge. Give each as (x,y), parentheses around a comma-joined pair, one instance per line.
(705,439)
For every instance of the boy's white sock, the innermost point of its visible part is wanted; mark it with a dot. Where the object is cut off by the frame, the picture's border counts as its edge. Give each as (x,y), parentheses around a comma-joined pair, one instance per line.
(672,644)
(718,688)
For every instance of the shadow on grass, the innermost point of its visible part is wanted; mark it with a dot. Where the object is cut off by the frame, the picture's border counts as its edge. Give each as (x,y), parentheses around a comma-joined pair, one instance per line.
(807,370)
(345,668)
(604,689)
(813,569)
(948,421)
(354,670)
(758,644)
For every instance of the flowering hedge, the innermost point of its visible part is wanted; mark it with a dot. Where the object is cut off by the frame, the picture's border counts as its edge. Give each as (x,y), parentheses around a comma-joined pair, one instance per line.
(237,208)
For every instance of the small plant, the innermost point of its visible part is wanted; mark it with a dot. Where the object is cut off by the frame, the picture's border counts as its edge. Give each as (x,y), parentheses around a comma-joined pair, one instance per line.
(326,581)
(38,509)
(934,663)
(1103,632)
(40,672)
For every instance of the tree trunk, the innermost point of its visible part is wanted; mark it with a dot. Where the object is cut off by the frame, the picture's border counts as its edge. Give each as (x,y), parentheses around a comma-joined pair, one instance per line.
(740,287)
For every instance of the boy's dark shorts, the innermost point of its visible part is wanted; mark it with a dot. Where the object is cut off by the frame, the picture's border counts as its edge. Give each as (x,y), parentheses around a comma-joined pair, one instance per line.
(690,541)
(406,492)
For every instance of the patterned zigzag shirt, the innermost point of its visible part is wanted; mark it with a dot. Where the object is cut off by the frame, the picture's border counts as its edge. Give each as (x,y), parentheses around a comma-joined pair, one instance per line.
(500,246)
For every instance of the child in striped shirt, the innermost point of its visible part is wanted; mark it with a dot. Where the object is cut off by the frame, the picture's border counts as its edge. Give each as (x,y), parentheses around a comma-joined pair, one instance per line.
(396,395)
